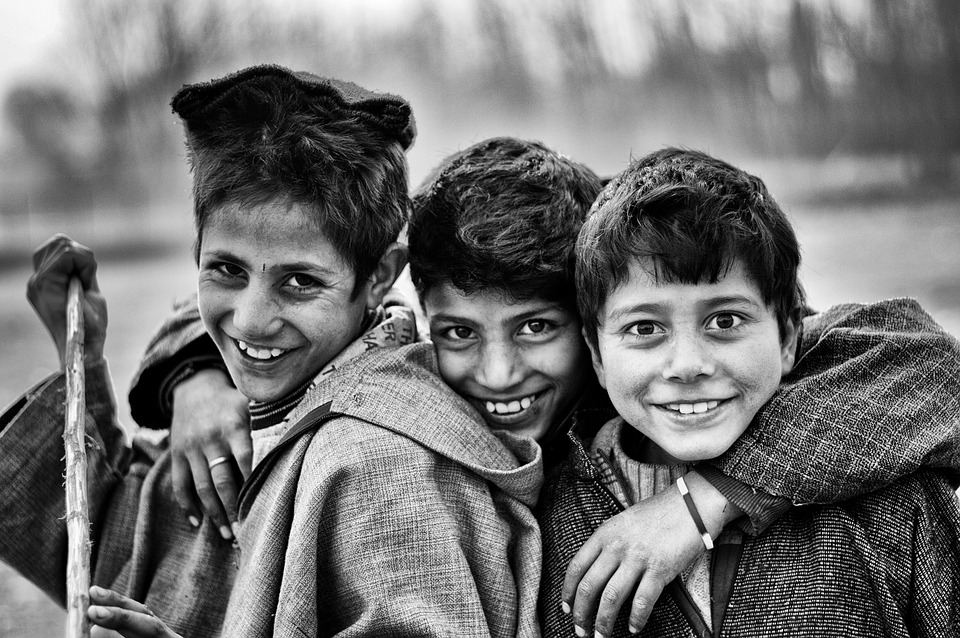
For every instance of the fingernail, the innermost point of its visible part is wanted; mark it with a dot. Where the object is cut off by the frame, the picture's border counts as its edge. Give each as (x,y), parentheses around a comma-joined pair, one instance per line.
(577,629)
(235,528)
(564,607)
(597,634)
(98,612)
(225,532)
(633,630)
(194,520)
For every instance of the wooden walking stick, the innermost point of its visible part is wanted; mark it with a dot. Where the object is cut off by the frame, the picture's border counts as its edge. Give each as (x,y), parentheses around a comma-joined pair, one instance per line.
(78,520)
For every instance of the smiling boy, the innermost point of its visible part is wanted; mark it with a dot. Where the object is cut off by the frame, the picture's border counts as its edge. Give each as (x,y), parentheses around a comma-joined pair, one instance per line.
(380,503)
(687,284)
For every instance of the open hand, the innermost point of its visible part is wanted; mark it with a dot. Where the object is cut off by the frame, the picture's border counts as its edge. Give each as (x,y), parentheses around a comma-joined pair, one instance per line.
(639,551)
(54,263)
(116,615)
(211,447)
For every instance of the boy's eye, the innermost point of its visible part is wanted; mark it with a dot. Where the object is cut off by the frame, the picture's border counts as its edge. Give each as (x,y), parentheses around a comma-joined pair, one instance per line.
(457,333)
(724,321)
(534,327)
(225,268)
(645,329)
(301,281)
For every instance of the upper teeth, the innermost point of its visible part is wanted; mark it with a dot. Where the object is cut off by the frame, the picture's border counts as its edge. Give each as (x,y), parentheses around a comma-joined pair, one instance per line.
(511,407)
(265,353)
(690,408)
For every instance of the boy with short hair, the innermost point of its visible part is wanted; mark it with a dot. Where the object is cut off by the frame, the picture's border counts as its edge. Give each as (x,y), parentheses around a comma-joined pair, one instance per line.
(379,504)
(687,284)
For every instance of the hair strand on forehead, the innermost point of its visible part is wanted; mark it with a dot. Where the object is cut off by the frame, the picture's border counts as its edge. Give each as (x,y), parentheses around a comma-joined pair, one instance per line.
(689,218)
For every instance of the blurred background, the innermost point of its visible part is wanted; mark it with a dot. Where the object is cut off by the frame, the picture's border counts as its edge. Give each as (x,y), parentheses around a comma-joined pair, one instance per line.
(849,109)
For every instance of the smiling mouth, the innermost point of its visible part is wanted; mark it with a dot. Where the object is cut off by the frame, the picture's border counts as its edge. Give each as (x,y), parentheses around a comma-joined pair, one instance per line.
(511,408)
(699,407)
(260,354)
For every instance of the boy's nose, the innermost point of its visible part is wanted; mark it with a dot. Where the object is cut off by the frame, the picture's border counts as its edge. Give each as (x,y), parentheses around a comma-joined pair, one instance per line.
(255,313)
(499,367)
(689,359)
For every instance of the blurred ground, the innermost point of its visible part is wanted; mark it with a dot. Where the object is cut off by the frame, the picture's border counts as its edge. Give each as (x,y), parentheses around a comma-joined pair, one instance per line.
(853,251)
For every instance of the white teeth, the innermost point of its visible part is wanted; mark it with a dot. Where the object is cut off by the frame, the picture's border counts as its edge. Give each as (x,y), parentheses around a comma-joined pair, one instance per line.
(691,408)
(513,407)
(266,353)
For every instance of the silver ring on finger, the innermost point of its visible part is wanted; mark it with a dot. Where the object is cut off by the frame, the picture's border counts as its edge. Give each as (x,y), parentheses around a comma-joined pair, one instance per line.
(217,461)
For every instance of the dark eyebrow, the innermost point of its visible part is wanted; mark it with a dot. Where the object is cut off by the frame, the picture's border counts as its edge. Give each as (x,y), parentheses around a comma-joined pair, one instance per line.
(297,266)
(304,266)
(709,304)
(731,300)
(651,308)
(443,317)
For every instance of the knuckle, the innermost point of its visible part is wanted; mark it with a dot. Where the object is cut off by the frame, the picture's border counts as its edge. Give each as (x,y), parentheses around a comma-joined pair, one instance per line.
(642,603)
(205,491)
(611,595)
(585,589)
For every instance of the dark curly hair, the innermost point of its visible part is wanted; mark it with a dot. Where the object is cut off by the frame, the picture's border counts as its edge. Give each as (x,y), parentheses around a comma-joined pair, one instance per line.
(502,214)
(266,135)
(691,216)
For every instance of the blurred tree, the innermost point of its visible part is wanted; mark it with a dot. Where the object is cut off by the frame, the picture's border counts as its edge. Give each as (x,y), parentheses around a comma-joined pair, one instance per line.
(51,126)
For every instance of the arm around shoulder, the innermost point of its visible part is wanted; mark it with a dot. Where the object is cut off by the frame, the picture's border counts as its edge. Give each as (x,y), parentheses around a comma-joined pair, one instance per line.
(874,396)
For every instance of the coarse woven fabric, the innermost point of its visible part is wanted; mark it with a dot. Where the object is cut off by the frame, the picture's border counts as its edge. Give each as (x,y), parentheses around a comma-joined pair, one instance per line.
(874,395)
(390,113)
(575,503)
(143,546)
(404,516)
(886,564)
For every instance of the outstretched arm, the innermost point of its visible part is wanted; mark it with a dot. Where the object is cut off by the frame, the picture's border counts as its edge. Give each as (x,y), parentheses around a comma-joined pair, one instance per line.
(874,396)
(182,384)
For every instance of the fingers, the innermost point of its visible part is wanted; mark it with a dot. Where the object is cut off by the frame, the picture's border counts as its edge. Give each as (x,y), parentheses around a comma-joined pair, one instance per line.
(129,618)
(581,562)
(183,489)
(55,263)
(61,257)
(646,596)
(224,475)
(241,445)
(203,480)
(103,596)
(592,585)
(615,594)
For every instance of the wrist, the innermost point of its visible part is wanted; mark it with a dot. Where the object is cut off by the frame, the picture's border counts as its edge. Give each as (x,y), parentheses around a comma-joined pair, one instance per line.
(715,510)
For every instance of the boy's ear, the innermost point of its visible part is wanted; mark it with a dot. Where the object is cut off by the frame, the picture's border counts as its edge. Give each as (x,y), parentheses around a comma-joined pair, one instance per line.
(595,358)
(383,277)
(788,346)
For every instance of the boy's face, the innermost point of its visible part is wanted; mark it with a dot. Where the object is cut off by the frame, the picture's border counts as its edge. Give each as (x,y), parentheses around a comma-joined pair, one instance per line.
(690,365)
(521,364)
(275,296)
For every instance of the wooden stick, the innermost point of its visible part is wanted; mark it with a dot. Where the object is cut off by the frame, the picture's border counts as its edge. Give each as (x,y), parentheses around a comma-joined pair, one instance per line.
(78,520)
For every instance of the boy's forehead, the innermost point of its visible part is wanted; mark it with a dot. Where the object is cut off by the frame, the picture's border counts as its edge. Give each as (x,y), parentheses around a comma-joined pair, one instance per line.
(645,281)
(488,302)
(284,232)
